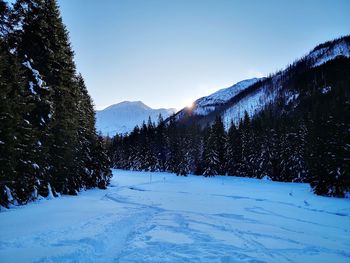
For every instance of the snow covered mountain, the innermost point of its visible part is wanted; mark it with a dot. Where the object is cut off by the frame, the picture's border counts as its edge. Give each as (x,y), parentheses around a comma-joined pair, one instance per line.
(124,116)
(206,105)
(253,95)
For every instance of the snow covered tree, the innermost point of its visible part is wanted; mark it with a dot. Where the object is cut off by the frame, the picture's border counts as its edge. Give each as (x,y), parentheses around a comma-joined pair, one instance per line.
(173,153)
(234,150)
(216,149)
(14,129)
(41,41)
(92,157)
(293,145)
(272,166)
(248,147)
(160,144)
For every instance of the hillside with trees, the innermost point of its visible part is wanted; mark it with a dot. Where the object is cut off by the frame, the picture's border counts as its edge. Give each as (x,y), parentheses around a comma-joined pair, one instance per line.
(302,135)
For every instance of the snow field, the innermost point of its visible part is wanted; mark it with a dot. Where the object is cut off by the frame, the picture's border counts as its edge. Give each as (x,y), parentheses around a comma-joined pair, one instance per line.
(159,217)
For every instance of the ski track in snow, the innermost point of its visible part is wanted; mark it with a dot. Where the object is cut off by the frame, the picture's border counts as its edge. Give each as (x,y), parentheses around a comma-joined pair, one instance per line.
(177,219)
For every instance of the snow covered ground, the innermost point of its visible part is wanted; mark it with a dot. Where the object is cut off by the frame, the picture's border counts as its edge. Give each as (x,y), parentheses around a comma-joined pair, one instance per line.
(159,217)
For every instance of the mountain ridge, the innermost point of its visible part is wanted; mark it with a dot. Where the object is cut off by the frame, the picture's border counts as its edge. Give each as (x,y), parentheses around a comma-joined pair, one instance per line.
(254,97)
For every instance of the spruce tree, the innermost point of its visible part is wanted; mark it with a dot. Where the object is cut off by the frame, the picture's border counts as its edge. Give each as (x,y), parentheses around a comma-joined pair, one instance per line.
(173,154)
(14,129)
(160,144)
(234,150)
(248,147)
(216,151)
(43,41)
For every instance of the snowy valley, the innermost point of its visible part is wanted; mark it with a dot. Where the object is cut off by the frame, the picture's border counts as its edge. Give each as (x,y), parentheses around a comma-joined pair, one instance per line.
(258,171)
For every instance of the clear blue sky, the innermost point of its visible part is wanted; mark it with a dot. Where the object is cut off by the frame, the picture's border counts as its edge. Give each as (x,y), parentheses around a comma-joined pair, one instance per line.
(168,53)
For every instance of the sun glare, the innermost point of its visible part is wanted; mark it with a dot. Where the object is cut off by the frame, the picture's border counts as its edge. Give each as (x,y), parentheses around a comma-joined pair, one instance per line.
(189,104)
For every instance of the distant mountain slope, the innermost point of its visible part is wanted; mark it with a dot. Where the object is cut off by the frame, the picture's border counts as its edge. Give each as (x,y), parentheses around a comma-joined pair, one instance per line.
(253,95)
(124,116)
(205,105)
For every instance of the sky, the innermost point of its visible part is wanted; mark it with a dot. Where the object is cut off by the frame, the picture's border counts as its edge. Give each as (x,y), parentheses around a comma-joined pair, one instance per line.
(168,53)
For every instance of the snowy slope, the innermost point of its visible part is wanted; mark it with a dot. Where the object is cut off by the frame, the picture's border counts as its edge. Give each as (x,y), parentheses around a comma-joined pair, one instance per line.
(124,116)
(159,217)
(252,104)
(328,52)
(231,103)
(256,101)
(207,104)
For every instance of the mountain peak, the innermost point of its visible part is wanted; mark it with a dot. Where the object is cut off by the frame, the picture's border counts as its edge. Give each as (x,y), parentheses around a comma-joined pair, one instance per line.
(124,116)
(123,104)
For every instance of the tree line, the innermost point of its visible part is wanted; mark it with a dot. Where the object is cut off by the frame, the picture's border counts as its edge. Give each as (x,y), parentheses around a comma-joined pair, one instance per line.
(48,142)
(305,139)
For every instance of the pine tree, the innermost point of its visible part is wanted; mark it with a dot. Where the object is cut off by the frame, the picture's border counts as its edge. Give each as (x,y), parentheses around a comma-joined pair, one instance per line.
(272,167)
(152,154)
(13,127)
(216,151)
(173,154)
(248,147)
(160,144)
(92,158)
(183,158)
(234,150)
(293,145)
(43,41)
(195,148)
